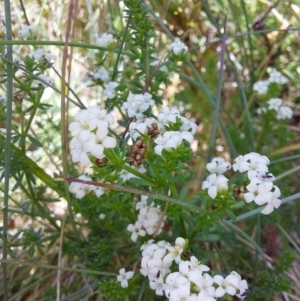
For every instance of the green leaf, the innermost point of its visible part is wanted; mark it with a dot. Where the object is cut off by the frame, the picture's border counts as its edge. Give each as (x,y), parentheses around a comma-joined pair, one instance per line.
(35,141)
(231,215)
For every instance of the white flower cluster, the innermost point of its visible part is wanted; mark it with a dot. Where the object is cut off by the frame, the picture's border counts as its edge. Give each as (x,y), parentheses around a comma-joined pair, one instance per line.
(188,281)
(92,127)
(177,47)
(41,54)
(261,189)
(166,119)
(105,39)
(216,181)
(172,139)
(109,90)
(27,31)
(137,104)
(46,80)
(141,126)
(102,74)
(80,189)
(283,112)
(148,219)
(262,86)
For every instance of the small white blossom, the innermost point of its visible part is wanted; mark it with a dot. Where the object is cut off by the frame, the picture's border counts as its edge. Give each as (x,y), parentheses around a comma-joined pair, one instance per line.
(27,31)
(177,47)
(82,144)
(102,216)
(278,78)
(136,230)
(102,141)
(174,254)
(258,191)
(274,103)
(125,175)
(109,90)
(284,112)
(96,116)
(137,104)
(105,39)
(177,287)
(228,285)
(41,54)
(261,87)
(272,201)
(80,189)
(215,183)
(171,140)
(46,80)
(102,74)
(261,110)
(218,166)
(252,163)
(123,277)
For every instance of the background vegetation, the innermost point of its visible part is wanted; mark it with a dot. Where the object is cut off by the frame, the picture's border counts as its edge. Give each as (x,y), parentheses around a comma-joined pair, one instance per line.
(58,247)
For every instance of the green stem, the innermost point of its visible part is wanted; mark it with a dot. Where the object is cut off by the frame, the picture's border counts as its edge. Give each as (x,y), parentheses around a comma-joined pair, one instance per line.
(120,49)
(140,175)
(9,98)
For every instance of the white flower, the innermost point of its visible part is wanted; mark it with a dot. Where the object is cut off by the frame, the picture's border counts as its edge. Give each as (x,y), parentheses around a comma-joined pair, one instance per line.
(105,39)
(228,285)
(102,216)
(96,116)
(258,191)
(81,189)
(157,286)
(102,141)
(274,103)
(261,87)
(171,140)
(272,201)
(102,74)
(109,90)
(180,242)
(125,175)
(252,162)
(137,104)
(90,55)
(98,191)
(218,166)
(284,112)
(261,110)
(204,296)
(82,144)
(136,230)
(215,183)
(123,277)
(28,31)
(168,115)
(141,126)
(177,46)
(278,78)
(81,122)
(174,254)
(46,80)
(177,287)
(41,54)
(243,285)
